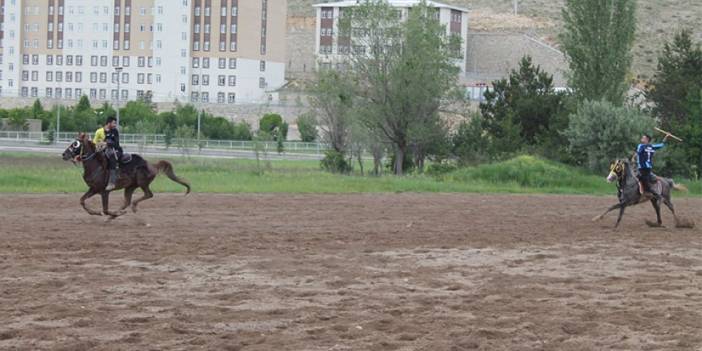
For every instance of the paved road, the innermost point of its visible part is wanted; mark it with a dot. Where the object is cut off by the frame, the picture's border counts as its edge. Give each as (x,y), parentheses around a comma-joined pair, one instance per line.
(8,146)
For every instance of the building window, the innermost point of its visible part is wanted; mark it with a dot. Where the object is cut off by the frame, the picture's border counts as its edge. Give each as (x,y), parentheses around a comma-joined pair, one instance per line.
(220,98)
(93,93)
(221,81)
(49,76)
(103,94)
(194,96)
(222,63)
(205,79)
(262,82)
(262,66)
(205,62)
(231,98)
(93,77)
(49,92)
(195,80)
(205,97)
(35,92)
(232,81)
(49,60)
(232,63)
(140,78)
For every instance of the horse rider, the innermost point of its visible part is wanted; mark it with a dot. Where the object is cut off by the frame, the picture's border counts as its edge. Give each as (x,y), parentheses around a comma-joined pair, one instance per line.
(644,155)
(108,137)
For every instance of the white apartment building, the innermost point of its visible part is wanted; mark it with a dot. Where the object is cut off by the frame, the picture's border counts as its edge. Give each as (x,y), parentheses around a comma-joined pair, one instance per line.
(331,50)
(209,51)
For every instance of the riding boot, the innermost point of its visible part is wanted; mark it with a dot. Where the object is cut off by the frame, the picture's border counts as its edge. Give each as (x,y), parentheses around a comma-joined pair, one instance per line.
(113,180)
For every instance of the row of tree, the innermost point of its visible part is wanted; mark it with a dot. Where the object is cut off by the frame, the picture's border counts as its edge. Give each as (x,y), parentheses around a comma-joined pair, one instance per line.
(141,117)
(398,93)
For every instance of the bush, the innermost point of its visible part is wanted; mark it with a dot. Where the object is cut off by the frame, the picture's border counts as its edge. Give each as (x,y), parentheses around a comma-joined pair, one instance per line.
(307,126)
(470,145)
(242,131)
(441,168)
(335,162)
(600,132)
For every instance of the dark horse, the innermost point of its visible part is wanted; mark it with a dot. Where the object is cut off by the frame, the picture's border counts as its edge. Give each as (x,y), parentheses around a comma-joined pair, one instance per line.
(137,173)
(629,195)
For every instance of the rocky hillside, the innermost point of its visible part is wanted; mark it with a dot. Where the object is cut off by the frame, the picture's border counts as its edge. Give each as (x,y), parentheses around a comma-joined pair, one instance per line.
(658,21)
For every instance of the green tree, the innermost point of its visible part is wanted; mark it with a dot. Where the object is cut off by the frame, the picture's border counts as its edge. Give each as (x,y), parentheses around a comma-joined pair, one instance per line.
(273,126)
(523,110)
(405,69)
(332,96)
(133,112)
(307,126)
(677,80)
(600,132)
(242,131)
(597,40)
(83,104)
(470,144)
(17,119)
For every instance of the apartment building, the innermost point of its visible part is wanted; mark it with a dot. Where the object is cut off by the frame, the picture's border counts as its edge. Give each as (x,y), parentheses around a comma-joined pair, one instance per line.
(331,50)
(207,51)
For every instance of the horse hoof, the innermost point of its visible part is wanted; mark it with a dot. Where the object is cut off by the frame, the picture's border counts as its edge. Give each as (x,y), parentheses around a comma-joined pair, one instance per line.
(597,218)
(654,224)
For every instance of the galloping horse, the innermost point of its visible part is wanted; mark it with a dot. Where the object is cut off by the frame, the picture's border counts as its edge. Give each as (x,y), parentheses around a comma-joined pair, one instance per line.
(137,173)
(629,195)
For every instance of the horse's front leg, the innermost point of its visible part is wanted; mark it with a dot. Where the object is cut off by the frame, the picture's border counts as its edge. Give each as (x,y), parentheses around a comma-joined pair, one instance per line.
(606,212)
(621,213)
(105,206)
(84,198)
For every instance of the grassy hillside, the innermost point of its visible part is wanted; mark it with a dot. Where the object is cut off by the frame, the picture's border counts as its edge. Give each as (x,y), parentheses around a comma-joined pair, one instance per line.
(658,20)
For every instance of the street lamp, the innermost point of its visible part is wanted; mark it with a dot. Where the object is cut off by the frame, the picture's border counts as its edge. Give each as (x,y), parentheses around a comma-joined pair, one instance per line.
(119,77)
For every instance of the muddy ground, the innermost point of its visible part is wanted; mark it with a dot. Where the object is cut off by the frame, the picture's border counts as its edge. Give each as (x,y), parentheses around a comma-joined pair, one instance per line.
(347,272)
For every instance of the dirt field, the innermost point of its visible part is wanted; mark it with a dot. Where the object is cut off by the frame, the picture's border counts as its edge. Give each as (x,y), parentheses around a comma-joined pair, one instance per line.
(351,272)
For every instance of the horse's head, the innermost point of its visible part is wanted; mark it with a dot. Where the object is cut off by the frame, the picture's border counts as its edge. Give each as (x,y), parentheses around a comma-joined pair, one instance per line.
(617,170)
(77,148)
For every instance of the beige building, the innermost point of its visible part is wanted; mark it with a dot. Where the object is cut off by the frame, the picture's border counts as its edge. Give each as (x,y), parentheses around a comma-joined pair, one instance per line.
(331,50)
(210,51)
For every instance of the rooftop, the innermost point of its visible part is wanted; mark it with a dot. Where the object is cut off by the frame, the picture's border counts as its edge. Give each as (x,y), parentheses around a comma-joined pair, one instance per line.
(396,3)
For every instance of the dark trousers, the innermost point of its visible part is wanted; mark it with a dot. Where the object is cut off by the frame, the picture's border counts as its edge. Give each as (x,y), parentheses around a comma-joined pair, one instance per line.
(646,178)
(113,155)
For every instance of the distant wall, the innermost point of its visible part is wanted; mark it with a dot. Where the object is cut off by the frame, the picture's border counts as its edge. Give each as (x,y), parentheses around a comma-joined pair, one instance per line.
(33,125)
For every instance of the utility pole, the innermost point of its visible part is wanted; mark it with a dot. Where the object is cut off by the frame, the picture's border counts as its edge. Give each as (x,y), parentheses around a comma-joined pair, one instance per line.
(58,124)
(119,78)
(199,99)
(516,6)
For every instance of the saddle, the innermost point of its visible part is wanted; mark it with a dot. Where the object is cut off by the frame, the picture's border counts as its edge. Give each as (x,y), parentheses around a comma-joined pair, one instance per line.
(125,159)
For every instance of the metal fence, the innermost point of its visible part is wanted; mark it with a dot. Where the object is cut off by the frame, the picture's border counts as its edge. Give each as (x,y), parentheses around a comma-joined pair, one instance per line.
(160,140)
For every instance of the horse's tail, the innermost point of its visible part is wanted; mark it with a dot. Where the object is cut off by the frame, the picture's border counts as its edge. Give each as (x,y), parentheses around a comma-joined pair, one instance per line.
(678,187)
(166,168)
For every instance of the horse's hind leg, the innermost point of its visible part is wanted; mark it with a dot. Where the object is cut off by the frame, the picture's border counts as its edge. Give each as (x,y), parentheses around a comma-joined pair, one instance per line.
(657,207)
(127,197)
(85,197)
(147,195)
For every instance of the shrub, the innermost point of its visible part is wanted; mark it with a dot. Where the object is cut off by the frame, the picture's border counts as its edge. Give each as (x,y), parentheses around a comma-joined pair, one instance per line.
(307,126)
(600,132)
(335,162)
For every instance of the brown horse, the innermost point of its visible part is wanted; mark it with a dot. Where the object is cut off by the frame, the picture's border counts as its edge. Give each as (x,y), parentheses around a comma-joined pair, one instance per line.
(137,173)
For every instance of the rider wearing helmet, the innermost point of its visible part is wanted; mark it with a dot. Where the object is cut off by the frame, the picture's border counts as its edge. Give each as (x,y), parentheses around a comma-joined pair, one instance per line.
(644,157)
(113,152)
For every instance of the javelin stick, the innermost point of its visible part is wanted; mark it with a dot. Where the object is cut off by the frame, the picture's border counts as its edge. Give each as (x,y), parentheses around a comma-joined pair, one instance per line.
(668,134)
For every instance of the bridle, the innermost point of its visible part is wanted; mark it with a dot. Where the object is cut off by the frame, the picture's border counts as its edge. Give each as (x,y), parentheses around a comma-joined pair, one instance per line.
(619,169)
(80,157)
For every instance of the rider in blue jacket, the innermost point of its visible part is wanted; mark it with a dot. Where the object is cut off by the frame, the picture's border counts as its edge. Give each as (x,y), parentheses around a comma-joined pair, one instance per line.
(644,160)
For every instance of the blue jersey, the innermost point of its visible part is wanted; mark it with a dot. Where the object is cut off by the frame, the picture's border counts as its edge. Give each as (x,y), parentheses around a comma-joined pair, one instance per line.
(644,154)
